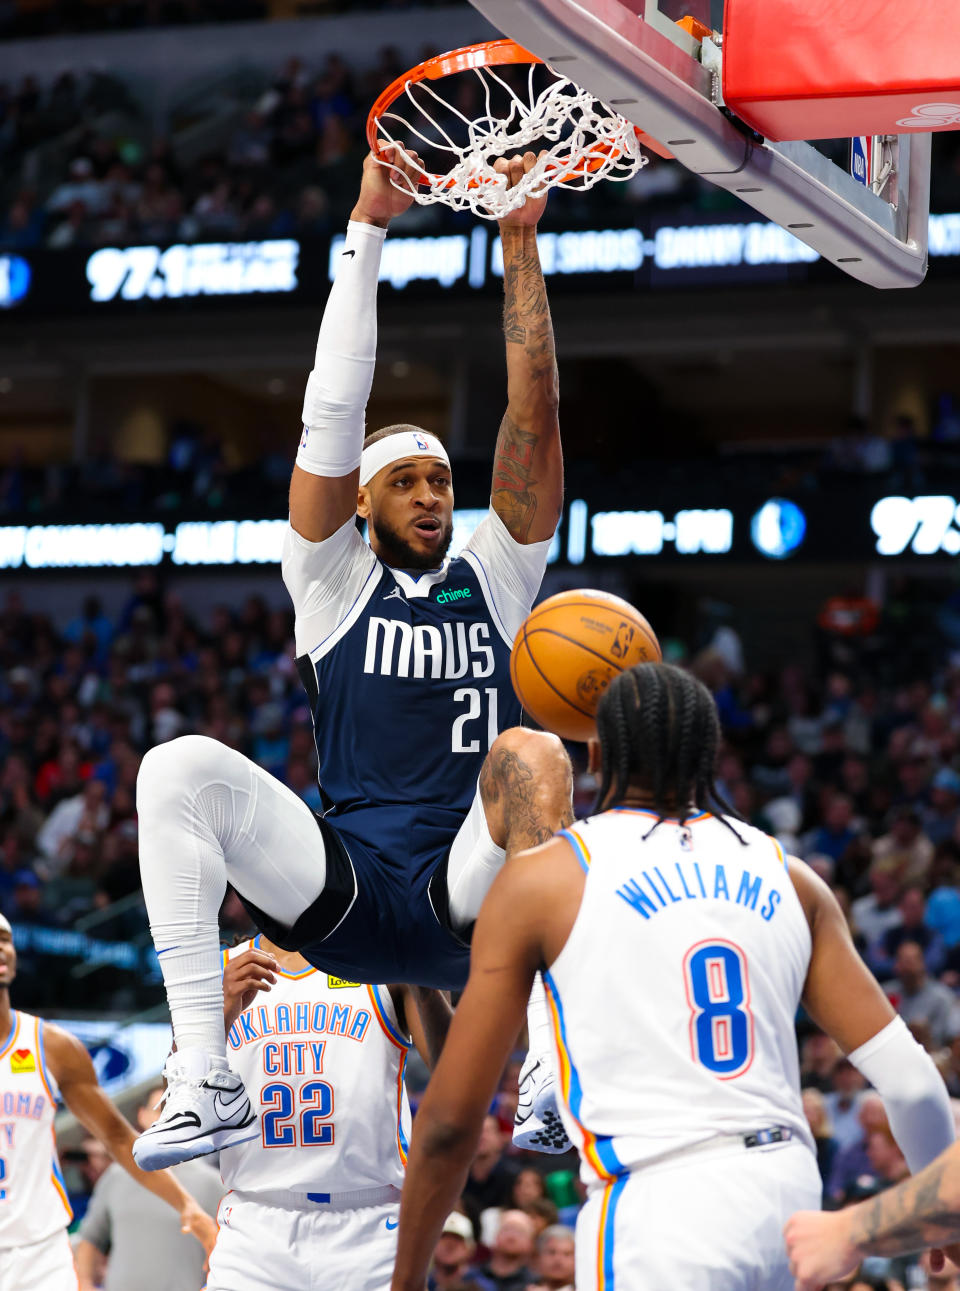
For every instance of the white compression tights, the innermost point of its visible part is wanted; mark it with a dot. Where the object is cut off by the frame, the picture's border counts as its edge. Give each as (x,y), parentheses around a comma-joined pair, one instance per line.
(208,815)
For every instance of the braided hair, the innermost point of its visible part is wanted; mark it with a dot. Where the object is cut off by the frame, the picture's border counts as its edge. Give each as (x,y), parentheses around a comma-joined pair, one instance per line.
(658,727)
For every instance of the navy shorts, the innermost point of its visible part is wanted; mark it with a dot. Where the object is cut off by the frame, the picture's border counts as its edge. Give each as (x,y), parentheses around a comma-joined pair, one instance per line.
(377,920)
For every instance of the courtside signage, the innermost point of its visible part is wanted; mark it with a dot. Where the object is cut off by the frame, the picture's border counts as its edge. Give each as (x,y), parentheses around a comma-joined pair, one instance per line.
(284,269)
(775,529)
(201,269)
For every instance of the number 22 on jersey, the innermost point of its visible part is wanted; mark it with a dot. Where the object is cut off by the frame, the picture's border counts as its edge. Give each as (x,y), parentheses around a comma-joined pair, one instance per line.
(280,1115)
(718,992)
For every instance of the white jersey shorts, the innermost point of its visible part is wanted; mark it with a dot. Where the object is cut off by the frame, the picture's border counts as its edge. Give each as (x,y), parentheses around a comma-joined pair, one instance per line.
(302,1247)
(46,1265)
(711,1218)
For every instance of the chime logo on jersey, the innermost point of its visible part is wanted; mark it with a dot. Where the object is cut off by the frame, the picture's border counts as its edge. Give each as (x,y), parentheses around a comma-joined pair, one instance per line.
(335,983)
(22,1061)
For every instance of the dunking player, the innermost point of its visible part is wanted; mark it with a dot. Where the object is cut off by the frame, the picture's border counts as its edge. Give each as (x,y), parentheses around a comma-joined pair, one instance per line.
(38,1062)
(405,657)
(678,945)
(315,1197)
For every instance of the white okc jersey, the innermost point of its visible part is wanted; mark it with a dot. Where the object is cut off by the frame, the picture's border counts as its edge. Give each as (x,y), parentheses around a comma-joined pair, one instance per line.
(33,1199)
(323,1063)
(674,998)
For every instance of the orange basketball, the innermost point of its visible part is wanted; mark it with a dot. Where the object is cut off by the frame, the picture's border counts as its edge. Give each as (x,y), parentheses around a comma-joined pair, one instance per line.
(567,652)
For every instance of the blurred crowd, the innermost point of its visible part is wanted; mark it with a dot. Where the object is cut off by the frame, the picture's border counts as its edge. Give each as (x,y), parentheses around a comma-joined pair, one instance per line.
(85,163)
(289,166)
(20,18)
(197,473)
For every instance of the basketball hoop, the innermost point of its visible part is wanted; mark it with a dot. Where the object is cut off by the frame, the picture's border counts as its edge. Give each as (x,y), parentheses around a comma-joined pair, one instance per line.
(578,139)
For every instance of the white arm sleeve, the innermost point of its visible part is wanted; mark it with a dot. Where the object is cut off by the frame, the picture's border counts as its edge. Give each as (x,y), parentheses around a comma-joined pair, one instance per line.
(324,580)
(339,385)
(913,1092)
(511,571)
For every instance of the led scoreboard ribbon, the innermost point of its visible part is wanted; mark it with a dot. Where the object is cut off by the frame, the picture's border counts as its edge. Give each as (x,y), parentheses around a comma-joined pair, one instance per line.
(775,529)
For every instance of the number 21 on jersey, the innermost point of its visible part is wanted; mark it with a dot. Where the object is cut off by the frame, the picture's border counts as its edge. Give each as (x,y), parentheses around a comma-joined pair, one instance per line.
(718,993)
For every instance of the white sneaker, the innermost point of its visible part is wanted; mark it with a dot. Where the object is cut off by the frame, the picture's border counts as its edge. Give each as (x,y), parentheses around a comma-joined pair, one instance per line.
(537,1126)
(205,1108)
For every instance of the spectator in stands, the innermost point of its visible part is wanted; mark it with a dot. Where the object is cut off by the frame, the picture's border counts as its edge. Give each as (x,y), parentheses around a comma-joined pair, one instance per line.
(82,189)
(555,1263)
(86,810)
(943,902)
(249,147)
(544,1214)
(941,816)
(906,846)
(946,1278)
(853,1161)
(919,999)
(838,831)
(912,927)
(818,1118)
(527,1186)
(819,1055)
(511,1254)
(879,911)
(141,1234)
(26,903)
(22,226)
(452,1256)
(887,1166)
(490,1179)
(842,1101)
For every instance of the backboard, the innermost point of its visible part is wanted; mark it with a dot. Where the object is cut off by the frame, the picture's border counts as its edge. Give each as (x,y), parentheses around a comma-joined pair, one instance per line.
(666,79)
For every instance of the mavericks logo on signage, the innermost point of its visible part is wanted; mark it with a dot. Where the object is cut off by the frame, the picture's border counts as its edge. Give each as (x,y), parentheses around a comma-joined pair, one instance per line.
(14,280)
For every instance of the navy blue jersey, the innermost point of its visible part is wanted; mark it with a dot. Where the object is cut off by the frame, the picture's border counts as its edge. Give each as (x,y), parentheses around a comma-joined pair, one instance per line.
(408,677)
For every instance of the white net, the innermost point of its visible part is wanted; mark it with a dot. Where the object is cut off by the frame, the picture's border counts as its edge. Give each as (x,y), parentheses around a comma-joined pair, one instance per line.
(578,139)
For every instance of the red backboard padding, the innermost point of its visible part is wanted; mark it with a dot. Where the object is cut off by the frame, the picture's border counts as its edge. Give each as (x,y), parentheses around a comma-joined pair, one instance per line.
(822,69)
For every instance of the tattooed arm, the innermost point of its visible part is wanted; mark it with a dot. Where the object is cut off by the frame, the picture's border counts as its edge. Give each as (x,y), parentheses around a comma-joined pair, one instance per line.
(525,920)
(921,1212)
(527,491)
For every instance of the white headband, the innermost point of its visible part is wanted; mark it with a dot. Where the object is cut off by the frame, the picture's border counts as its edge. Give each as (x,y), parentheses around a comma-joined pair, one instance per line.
(5,925)
(394,448)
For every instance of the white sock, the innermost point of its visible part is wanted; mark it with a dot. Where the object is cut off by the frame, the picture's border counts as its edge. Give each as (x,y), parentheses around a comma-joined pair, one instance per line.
(191,975)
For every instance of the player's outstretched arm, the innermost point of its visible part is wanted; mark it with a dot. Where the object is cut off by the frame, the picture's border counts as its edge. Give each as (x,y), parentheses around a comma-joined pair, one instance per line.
(323,490)
(85,1257)
(527,492)
(425,1015)
(73,1071)
(843,998)
(504,959)
(920,1212)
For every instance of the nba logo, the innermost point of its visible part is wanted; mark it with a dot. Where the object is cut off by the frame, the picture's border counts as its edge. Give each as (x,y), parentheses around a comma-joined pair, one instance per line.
(305,437)
(621,642)
(686,840)
(421,443)
(225,1215)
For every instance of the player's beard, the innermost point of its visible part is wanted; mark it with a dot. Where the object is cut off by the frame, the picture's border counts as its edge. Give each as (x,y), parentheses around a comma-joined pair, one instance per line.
(396,551)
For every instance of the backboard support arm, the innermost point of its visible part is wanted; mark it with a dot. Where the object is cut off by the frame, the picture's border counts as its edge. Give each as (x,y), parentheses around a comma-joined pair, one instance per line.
(654,80)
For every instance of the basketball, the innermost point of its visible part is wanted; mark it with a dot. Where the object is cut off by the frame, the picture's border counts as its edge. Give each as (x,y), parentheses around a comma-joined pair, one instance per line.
(567,652)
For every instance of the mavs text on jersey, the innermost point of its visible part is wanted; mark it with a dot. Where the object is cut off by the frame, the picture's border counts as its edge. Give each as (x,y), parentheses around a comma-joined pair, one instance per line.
(408,680)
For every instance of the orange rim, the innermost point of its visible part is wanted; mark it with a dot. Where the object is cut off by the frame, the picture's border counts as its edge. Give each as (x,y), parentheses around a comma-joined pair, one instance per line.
(489,53)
